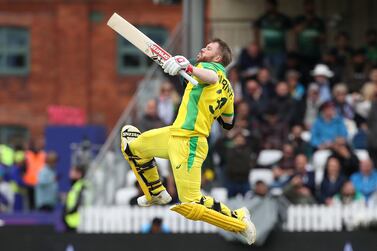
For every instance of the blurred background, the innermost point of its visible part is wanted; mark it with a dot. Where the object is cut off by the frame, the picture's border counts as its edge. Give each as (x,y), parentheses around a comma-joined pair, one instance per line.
(302,155)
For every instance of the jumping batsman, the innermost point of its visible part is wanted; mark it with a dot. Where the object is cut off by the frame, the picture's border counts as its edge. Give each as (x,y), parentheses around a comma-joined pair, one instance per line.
(185,143)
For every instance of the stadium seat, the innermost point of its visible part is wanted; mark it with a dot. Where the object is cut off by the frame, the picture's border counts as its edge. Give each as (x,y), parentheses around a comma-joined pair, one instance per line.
(306,135)
(362,154)
(263,174)
(269,157)
(124,195)
(219,193)
(319,161)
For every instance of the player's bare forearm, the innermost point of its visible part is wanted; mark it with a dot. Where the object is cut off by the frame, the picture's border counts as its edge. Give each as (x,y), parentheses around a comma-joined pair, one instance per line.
(205,75)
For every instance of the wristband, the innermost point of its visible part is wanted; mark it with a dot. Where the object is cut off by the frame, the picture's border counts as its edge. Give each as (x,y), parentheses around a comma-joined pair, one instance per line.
(189,69)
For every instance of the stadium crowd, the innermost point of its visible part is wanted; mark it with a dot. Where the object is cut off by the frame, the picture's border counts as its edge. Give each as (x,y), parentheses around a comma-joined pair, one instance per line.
(317,98)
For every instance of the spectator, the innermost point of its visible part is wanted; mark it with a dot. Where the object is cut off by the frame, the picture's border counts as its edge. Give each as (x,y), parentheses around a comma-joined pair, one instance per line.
(327,127)
(16,172)
(321,74)
(329,59)
(300,189)
(35,161)
(359,140)
(311,107)
(265,210)
(271,29)
(372,136)
(365,181)
(284,103)
(6,193)
(310,34)
(83,155)
(332,181)
(373,75)
(296,89)
(363,103)
(239,162)
(251,59)
(343,108)
(274,131)
(150,120)
(293,62)
(238,86)
(342,50)
(288,159)
(166,103)
(298,143)
(348,195)
(356,72)
(155,227)
(256,99)
(370,49)
(75,199)
(46,189)
(347,158)
(264,79)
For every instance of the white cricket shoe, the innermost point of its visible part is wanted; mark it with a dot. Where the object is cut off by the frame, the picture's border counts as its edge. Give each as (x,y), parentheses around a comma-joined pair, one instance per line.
(250,233)
(161,199)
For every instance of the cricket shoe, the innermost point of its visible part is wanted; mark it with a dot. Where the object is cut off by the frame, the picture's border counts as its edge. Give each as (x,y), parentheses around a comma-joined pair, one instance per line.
(161,199)
(250,232)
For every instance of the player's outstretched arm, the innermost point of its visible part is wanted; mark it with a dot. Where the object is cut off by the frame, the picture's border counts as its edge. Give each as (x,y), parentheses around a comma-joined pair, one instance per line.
(174,64)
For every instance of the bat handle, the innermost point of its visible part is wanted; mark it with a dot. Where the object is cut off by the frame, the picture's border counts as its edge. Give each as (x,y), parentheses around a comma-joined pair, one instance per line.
(188,77)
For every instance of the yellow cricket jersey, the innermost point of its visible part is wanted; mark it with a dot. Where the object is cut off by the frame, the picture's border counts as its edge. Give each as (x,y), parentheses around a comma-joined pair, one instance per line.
(203,103)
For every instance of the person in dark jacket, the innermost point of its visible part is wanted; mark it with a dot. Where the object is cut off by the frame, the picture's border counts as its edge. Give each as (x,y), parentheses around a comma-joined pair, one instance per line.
(347,158)
(332,182)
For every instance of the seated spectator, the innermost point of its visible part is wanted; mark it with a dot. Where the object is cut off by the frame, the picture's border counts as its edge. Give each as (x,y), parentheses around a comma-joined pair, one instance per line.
(342,50)
(370,49)
(300,189)
(321,74)
(359,140)
(281,177)
(156,226)
(348,195)
(365,181)
(265,210)
(296,88)
(46,189)
(150,119)
(296,140)
(293,63)
(284,103)
(271,29)
(251,59)
(287,161)
(310,34)
(372,134)
(237,85)
(343,108)
(327,127)
(356,72)
(332,181)
(238,163)
(311,107)
(347,158)
(265,81)
(362,102)
(329,59)
(274,131)
(256,99)
(167,103)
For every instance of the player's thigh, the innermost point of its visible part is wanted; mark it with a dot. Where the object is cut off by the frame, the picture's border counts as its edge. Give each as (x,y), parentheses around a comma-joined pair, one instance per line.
(152,143)
(187,156)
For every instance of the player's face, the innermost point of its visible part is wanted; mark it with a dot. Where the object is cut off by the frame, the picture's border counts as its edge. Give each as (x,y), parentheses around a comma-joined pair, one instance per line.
(210,53)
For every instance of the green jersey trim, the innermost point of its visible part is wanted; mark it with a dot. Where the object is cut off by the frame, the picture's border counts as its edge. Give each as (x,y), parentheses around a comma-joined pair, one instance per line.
(192,107)
(193,146)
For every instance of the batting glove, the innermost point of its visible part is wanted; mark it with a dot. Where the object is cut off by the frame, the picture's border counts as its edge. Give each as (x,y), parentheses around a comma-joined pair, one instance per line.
(174,64)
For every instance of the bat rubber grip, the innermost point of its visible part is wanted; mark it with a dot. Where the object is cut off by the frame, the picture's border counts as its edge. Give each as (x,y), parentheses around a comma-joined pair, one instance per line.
(188,77)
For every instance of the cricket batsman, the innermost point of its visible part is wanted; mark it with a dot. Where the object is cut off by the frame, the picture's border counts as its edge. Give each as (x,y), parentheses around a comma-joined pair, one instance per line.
(185,142)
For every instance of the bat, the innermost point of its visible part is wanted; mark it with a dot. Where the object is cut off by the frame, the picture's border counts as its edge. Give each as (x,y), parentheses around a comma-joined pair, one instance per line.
(143,43)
